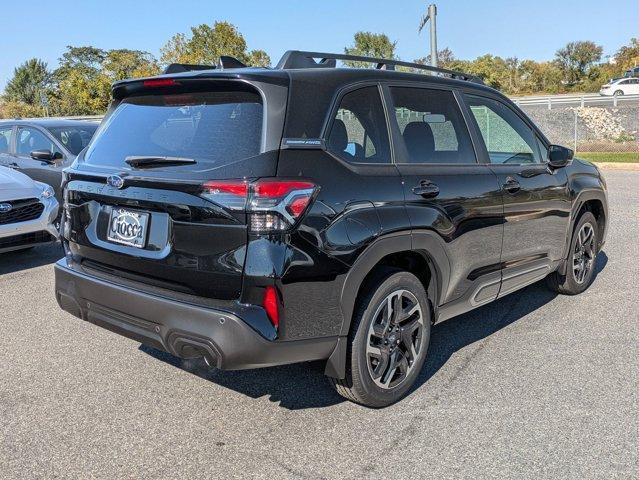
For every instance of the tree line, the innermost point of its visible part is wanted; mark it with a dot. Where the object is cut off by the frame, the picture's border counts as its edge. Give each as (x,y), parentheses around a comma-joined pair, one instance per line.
(81,83)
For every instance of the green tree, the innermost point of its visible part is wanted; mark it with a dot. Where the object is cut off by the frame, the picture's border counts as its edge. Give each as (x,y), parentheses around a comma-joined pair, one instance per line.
(445,58)
(369,44)
(259,58)
(86,59)
(207,43)
(83,79)
(80,94)
(123,63)
(493,70)
(30,82)
(576,59)
(540,77)
(627,56)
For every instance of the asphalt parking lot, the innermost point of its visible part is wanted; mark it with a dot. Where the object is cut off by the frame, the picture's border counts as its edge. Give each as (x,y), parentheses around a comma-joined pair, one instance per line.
(532,386)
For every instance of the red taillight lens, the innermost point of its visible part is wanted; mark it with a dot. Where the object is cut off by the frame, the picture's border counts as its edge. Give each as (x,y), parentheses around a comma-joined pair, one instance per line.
(298,205)
(270,304)
(276,205)
(159,82)
(232,187)
(278,188)
(272,205)
(231,194)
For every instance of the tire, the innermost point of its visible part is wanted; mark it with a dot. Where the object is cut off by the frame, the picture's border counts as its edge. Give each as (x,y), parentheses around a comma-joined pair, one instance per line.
(373,350)
(618,93)
(575,280)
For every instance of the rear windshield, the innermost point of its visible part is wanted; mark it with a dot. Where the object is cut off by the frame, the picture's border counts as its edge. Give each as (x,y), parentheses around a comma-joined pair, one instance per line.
(212,128)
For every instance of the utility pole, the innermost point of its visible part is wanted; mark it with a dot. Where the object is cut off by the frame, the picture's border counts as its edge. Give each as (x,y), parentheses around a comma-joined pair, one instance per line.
(431,15)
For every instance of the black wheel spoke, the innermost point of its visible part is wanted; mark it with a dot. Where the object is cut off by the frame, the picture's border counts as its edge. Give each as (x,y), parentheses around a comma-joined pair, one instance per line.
(394,339)
(390,371)
(584,252)
(382,364)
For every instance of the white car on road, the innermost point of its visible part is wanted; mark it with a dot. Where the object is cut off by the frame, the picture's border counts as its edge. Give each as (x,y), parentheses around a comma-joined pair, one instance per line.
(621,86)
(28,211)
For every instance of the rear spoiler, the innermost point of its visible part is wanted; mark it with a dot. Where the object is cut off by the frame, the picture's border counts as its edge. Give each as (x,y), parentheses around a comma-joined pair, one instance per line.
(225,62)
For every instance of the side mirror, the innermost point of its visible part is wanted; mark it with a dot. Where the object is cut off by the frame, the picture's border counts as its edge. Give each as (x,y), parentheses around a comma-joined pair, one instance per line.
(559,156)
(45,155)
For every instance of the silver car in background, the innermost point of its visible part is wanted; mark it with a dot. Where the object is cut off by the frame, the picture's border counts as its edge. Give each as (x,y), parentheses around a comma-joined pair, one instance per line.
(28,211)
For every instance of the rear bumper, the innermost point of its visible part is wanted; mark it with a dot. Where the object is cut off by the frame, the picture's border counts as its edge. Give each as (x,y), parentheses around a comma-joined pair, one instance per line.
(182,329)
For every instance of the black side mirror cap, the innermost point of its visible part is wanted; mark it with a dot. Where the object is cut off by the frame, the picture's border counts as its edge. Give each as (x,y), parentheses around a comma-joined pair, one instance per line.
(45,155)
(559,156)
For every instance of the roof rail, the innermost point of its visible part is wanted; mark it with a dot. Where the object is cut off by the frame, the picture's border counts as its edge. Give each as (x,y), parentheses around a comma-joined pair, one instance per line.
(301,59)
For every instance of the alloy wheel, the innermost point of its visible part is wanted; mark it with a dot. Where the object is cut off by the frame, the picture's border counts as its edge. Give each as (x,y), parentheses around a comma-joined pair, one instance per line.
(584,253)
(395,339)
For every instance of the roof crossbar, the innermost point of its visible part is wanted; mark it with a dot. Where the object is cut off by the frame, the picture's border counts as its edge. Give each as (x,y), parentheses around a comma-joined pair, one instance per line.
(300,59)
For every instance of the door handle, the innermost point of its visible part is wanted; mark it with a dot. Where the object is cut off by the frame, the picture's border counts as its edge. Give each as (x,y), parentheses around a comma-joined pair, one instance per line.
(426,189)
(512,185)
(13,165)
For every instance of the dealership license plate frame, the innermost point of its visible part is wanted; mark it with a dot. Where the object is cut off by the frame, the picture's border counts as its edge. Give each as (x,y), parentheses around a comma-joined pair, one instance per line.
(139,241)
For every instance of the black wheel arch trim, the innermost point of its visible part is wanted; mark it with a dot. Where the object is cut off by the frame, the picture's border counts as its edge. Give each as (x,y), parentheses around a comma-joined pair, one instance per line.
(424,242)
(584,196)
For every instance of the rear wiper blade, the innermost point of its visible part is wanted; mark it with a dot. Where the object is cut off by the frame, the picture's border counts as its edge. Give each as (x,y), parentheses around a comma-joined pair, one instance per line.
(142,161)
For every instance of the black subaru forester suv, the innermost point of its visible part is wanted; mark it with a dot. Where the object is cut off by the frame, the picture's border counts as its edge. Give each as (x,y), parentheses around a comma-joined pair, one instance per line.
(258,217)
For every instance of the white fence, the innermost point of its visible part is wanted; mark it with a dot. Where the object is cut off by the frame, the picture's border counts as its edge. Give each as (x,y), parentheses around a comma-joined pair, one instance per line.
(579,100)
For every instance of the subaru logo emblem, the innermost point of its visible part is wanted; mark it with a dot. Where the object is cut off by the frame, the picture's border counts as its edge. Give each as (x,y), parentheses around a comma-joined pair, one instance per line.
(5,207)
(115,181)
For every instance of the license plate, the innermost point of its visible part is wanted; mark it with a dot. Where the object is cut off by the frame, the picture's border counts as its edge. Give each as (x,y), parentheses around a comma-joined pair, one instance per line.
(128,227)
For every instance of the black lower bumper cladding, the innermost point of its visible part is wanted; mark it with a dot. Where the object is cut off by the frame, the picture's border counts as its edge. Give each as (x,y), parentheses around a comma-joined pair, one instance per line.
(182,329)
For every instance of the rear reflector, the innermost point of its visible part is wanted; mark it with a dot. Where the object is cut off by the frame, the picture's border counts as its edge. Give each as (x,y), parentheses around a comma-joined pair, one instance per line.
(270,304)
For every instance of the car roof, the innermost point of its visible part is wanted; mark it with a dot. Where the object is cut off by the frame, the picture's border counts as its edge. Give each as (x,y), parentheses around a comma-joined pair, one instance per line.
(48,122)
(337,76)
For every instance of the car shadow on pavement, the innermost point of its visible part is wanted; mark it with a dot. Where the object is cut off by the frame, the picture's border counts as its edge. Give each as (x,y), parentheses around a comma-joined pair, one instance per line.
(303,385)
(11,262)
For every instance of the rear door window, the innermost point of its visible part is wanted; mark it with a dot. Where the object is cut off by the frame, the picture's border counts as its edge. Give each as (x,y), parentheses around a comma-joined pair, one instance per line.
(212,128)
(432,126)
(358,133)
(74,138)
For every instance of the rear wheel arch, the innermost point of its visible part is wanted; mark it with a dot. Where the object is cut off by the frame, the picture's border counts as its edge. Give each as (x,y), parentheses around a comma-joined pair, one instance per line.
(420,254)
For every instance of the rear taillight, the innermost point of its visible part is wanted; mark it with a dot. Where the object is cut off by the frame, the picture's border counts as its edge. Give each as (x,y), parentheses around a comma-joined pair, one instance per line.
(277,204)
(272,205)
(231,194)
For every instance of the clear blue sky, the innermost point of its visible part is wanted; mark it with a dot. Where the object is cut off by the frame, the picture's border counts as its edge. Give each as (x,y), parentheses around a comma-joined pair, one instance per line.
(526,29)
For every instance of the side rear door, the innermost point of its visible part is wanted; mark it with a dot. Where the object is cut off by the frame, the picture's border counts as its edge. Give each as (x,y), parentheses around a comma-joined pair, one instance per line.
(536,198)
(448,191)
(29,139)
